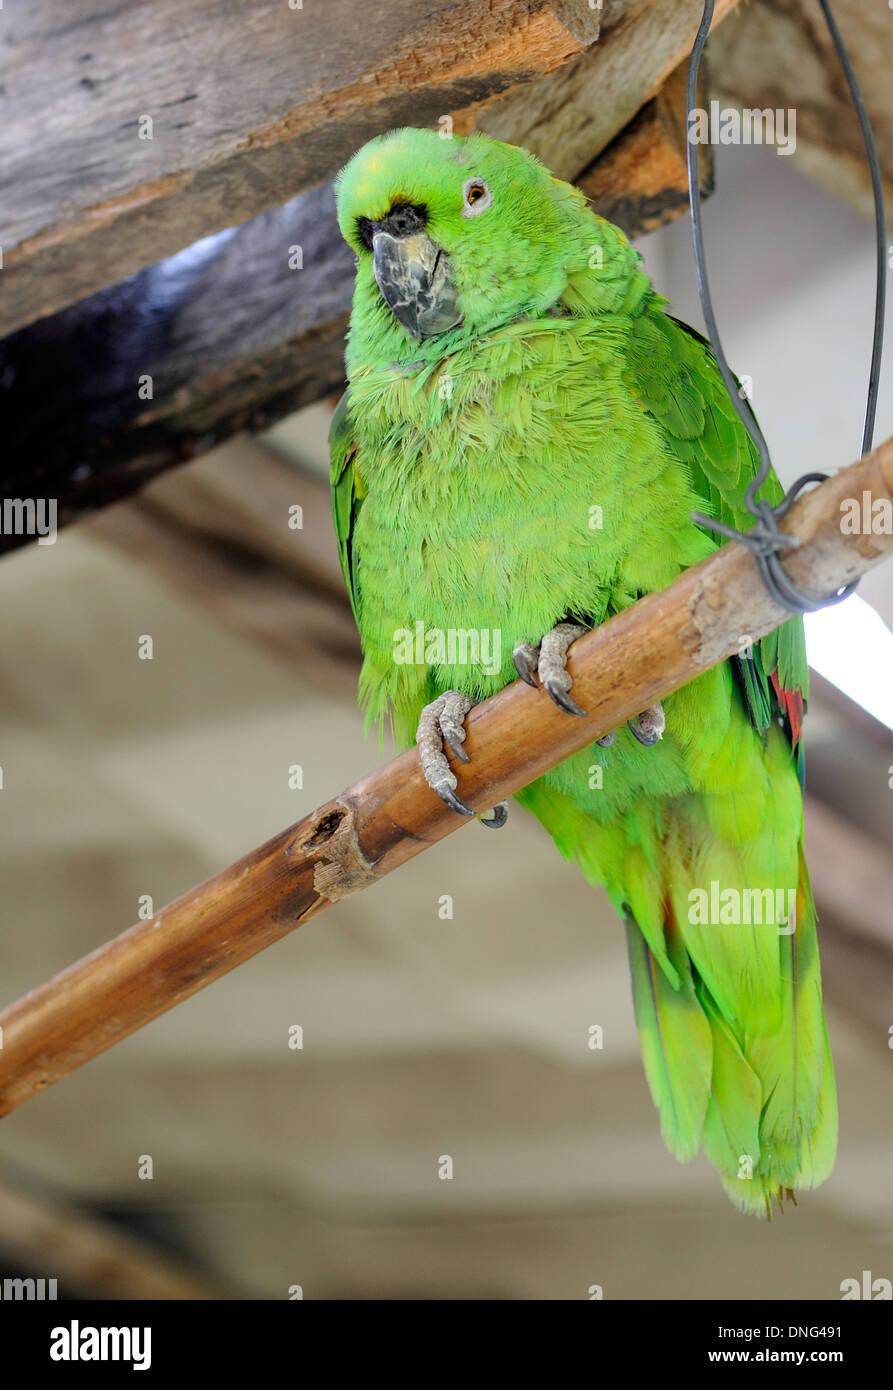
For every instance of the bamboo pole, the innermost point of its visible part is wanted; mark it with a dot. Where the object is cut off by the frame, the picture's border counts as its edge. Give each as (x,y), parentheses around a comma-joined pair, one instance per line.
(642,655)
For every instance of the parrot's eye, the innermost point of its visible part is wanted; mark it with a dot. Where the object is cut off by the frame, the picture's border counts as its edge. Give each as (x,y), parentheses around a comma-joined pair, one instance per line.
(476,196)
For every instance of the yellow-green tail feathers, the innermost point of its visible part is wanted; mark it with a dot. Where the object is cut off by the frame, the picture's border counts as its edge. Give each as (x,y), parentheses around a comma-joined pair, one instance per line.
(721,932)
(760,1103)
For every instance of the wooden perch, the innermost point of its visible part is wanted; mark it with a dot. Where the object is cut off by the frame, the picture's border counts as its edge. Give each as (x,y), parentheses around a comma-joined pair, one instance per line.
(640,656)
(778,54)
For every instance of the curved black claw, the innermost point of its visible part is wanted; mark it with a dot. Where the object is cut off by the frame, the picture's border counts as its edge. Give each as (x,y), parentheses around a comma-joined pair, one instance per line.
(549,662)
(648,727)
(607,740)
(447,794)
(562,699)
(496,817)
(443,723)
(526,659)
(451,737)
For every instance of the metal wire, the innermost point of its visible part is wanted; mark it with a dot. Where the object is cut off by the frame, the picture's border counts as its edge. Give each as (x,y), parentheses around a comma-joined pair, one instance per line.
(766,541)
(877,189)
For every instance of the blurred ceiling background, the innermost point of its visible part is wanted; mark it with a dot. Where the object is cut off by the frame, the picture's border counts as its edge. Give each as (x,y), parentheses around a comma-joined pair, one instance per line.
(275,1167)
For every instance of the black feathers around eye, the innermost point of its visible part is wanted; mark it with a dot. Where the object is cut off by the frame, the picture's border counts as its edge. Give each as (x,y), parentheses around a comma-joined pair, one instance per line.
(402,220)
(364,232)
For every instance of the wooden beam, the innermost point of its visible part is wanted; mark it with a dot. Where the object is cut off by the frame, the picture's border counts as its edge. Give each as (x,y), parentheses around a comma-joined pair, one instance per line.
(640,181)
(568,117)
(100,398)
(229,336)
(130,131)
(640,656)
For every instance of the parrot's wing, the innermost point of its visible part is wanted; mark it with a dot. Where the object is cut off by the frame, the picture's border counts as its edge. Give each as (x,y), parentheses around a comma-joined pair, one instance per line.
(347,493)
(676,378)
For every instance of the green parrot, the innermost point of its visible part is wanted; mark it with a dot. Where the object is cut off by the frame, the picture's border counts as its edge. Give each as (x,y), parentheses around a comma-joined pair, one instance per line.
(524,436)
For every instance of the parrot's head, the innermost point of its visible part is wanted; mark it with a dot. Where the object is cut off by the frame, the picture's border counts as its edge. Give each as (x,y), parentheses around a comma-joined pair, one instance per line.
(461,234)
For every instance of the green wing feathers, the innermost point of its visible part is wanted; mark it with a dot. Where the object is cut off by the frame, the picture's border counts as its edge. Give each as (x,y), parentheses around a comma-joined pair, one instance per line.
(766,1114)
(727,998)
(346,493)
(674,373)
(729,1011)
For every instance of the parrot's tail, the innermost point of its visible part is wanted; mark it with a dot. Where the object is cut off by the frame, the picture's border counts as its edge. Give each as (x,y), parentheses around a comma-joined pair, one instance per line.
(721,930)
(758,1098)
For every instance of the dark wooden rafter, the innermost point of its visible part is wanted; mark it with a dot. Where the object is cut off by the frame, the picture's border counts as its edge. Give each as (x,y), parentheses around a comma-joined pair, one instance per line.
(226,336)
(640,181)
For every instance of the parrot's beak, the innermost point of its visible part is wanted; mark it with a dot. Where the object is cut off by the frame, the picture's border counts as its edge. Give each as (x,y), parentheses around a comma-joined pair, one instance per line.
(416,281)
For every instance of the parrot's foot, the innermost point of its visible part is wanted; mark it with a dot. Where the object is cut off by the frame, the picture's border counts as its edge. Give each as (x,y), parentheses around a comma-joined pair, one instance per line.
(648,727)
(443,722)
(496,817)
(549,661)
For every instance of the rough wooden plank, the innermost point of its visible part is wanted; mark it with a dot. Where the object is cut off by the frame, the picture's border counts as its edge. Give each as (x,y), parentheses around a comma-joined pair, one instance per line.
(568,116)
(231,337)
(245,114)
(778,54)
(226,336)
(641,180)
(248,106)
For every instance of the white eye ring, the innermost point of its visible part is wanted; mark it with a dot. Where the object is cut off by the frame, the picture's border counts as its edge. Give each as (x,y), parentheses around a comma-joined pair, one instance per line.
(481,203)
